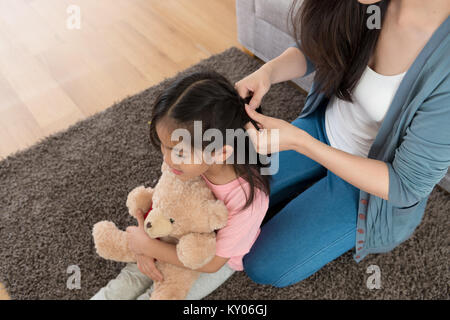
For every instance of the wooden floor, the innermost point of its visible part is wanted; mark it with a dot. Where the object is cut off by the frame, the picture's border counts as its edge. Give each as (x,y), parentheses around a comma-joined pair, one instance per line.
(52,76)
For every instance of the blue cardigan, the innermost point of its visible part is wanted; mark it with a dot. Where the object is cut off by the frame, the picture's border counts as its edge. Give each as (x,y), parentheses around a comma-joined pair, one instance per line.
(413,141)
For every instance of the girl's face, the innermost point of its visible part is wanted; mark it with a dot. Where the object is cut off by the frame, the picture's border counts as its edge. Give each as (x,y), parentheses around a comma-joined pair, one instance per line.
(177,156)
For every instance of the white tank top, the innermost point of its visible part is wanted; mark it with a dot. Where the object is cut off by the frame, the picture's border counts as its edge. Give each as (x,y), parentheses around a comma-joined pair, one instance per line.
(352,127)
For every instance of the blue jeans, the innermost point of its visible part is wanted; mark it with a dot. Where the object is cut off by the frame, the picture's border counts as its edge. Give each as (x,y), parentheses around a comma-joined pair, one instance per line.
(315,226)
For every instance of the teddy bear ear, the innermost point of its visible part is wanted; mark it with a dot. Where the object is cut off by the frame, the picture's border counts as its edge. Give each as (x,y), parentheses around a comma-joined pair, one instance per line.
(218,214)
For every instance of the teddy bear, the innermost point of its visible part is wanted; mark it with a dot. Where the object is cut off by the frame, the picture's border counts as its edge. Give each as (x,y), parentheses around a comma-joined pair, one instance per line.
(185,213)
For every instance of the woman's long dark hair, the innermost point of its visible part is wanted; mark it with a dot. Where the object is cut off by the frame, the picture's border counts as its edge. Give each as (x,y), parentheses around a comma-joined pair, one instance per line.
(209,97)
(334,36)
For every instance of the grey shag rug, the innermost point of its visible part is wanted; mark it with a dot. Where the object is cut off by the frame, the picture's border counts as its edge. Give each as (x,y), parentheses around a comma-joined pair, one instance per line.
(52,193)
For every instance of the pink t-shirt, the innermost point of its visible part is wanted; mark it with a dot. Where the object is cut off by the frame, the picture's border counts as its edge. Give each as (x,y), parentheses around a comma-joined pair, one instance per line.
(243,227)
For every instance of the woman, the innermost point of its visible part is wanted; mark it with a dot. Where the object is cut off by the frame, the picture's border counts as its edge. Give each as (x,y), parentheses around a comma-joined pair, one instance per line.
(373,138)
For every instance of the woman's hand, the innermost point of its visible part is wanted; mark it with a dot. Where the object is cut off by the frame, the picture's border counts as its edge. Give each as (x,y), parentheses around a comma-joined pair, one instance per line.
(258,82)
(147,266)
(274,135)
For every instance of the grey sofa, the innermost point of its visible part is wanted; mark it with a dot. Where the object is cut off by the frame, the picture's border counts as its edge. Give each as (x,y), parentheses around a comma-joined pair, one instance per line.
(264,30)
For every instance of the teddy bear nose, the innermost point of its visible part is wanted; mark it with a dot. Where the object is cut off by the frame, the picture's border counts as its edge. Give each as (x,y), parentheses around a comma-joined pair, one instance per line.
(149,225)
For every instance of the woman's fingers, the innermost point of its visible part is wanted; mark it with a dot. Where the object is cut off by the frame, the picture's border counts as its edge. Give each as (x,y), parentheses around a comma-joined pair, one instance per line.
(258,117)
(242,90)
(249,126)
(258,83)
(252,133)
(256,99)
(266,139)
(261,139)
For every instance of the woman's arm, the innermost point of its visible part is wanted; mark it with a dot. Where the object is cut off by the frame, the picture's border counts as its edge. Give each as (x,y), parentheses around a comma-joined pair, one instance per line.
(289,65)
(366,174)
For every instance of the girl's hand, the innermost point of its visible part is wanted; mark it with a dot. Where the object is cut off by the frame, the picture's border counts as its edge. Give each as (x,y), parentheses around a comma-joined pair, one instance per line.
(138,239)
(273,135)
(258,82)
(147,266)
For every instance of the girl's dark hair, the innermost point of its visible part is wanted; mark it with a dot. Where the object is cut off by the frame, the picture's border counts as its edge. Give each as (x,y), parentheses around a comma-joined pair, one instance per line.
(209,97)
(334,36)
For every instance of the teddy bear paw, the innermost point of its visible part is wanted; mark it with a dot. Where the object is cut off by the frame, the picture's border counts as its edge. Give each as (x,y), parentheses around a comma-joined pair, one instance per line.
(111,243)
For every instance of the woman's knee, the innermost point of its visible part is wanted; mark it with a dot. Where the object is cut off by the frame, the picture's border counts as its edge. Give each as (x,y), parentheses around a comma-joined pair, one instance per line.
(256,270)
(262,273)
(294,277)
(283,272)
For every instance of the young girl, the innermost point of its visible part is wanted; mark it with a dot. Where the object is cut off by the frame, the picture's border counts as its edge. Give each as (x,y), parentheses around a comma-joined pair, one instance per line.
(232,176)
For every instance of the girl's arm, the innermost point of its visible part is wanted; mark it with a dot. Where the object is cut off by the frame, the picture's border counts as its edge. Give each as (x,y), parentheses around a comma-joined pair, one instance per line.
(141,244)
(167,252)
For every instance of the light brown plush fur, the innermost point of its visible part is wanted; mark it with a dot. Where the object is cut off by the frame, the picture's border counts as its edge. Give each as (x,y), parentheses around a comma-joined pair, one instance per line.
(196,214)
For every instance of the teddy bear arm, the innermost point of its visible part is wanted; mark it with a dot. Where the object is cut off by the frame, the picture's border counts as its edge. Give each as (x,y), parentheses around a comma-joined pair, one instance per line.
(139,198)
(111,243)
(196,249)
(217,213)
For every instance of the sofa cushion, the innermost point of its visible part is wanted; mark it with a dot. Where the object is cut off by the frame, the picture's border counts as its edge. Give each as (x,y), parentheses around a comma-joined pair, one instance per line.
(275,12)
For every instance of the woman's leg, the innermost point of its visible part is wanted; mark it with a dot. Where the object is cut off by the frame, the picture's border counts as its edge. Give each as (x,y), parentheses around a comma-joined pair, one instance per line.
(313,229)
(128,285)
(204,285)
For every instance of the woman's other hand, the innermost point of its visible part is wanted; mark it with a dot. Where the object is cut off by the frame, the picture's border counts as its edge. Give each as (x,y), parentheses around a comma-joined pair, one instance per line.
(273,134)
(258,82)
